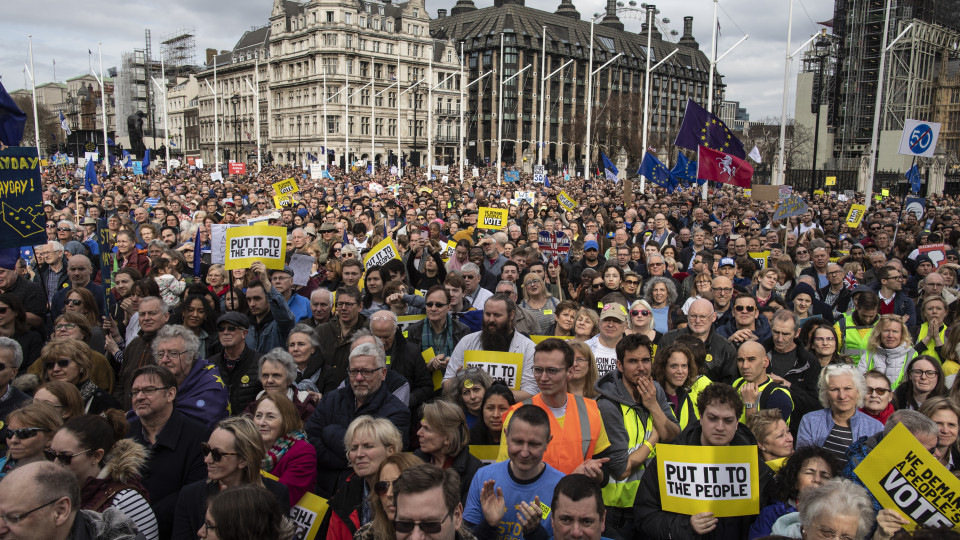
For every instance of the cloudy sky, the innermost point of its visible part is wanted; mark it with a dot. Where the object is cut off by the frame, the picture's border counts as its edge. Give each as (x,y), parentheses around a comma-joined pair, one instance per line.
(63,31)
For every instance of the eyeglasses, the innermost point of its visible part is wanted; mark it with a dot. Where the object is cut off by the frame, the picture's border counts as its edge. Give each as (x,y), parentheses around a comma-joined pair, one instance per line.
(550,372)
(65,326)
(748,309)
(346,304)
(365,373)
(435,304)
(173,355)
(825,339)
(923,373)
(427,527)
(656,264)
(381,487)
(13,519)
(638,312)
(147,391)
(803,252)
(230,328)
(828,533)
(725,290)
(62,457)
(61,363)
(63,229)
(214,453)
(22,433)
(879,391)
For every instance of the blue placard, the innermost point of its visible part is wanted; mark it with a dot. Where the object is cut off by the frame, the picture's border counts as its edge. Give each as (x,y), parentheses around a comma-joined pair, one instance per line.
(138,167)
(793,205)
(22,221)
(511,176)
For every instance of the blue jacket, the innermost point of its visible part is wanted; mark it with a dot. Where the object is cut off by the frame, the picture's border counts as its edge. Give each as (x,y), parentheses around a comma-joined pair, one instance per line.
(272,332)
(328,425)
(855,455)
(768,516)
(202,396)
(300,307)
(816,425)
(762,331)
(60,298)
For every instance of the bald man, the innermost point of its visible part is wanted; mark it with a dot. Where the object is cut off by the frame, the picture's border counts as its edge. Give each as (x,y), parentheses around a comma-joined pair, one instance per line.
(722,287)
(756,388)
(721,354)
(79,275)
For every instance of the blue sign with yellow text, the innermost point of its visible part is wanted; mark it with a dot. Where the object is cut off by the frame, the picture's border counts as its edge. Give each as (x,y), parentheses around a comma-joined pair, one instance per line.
(22,221)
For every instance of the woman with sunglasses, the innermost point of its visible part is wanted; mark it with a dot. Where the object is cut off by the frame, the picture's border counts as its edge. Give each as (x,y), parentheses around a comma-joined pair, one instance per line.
(879,402)
(890,349)
(233,455)
(467,390)
(290,457)
(69,361)
(439,331)
(641,321)
(28,432)
(13,325)
(381,500)
(444,440)
(107,465)
(82,302)
(62,396)
(369,441)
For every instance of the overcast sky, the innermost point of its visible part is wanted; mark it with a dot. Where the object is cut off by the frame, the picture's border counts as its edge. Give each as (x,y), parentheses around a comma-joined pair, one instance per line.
(64,30)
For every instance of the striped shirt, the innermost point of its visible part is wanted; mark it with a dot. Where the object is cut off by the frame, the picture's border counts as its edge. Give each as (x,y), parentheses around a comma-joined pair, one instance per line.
(838,442)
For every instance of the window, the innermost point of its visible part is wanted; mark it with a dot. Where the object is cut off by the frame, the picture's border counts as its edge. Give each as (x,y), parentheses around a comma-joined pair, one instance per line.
(365,97)
(416,13)
(330,66)
(330,18)
(348,18)
(392,99)
(329,40)
(365,125)
(333,124)
(348,41)
(378,127)
(392,127)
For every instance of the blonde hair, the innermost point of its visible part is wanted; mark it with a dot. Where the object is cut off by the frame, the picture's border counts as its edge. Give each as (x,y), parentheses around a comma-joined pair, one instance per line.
(448,419)
(590,380)
(876,336)
(249,446)
(381,429)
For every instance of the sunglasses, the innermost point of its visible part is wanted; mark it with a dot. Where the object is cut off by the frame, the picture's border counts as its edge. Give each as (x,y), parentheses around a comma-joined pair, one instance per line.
(229,328)
(62,457)
(435,304)
(381,487)
(632,282)
(638,312)
(62,363)
(22,433)
(878,391)
(73,302)
(427,527)
(217,455)
(3,310)
(748,309)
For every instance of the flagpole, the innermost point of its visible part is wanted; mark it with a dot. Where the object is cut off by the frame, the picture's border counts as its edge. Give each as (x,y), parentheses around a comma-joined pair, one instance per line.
(103,106)
(783,113)
(543,81)
(462,104)
(33,84)
(430,115)
(646,91)
(868,192)
(166,119)
(373,116)
(256,96)
(326,149)
(216,121)
(704,192)
(586,166)
(500,118)
(399,95)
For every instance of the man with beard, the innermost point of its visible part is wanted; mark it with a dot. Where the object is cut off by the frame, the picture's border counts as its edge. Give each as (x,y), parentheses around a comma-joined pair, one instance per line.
(498,334)
(591,259)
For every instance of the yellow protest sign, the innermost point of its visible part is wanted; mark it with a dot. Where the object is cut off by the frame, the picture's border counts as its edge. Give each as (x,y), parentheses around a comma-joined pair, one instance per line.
(747,192)
(505,367)
(449,249)
(424,189)
(905,477)
(403,321)
(286,187)
(307,515)
(818,193)
(566,201)
(283,201)
(724,480)
(492,218)
(762,258)
(251,243)
(381,253)
(537,339)
(831,180)
(487,453)
(885,192)
(437,374)
(855,215)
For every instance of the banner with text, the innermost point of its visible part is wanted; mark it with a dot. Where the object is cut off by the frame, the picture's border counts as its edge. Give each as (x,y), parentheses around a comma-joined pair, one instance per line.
(380,254)
(505,367)
(21,198)
(855,215)
(724,480)
(286,187)
(794,205)
(249,244)
(236,168)
(566,201)
(492,218)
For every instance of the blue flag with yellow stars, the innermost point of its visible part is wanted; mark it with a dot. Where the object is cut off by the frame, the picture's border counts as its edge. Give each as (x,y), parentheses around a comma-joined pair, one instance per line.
(686,170)
(701,128)
(913,175)
(656,172)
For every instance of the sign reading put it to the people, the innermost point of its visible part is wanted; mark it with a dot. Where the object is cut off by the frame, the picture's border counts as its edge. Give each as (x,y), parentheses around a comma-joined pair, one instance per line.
(380,254)
(492,218)
(249,244)
(724,480)
(505,367)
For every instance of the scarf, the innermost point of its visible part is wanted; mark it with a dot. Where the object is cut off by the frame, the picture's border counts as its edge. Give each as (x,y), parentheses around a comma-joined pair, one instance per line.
(441,343)
(275,454)
(87,389)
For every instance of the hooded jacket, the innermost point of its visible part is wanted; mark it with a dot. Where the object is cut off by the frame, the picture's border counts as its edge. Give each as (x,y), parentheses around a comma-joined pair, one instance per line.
(118,485)
(658,524)
(202,394)
(803,378)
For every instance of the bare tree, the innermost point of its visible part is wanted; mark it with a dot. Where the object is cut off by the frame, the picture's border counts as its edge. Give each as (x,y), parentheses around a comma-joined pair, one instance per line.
(48,121)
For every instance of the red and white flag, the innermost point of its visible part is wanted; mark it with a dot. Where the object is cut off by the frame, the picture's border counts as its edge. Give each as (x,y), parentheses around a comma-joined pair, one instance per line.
(724,168)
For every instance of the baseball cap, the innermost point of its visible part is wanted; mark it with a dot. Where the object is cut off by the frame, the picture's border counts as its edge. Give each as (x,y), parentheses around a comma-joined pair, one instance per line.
(614,311)
(286,270)
(727,261)
(591,244)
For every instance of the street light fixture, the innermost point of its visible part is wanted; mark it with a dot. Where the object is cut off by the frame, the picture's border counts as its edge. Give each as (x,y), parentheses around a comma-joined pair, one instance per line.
(298,138)
(235,99)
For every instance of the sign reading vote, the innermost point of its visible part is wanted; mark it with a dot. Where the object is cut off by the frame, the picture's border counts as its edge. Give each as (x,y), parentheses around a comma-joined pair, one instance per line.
(381,254)
(855,215)
(793,205)
(492,218)
(505,367)
(21,198)
(249,244)
(236,168)
(905,477)
(919,138)
(719,479)
(286,187)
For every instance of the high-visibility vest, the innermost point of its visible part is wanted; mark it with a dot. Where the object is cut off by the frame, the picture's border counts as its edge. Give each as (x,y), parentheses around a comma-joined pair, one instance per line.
(698,385)
(575,441)
(854,339)
(931,348)
(895,382)
(686,409)
(766,390)
(621,493)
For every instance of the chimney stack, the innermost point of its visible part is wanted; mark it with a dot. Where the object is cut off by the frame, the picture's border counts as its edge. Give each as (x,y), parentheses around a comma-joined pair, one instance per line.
(441,13)
(610,19)
(567,9)
(687,39)
(211,53)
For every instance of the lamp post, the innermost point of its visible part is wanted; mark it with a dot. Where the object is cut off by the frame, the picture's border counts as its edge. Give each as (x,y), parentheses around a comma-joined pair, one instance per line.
(822,48)
(298,137)
(235,99)
(416,107)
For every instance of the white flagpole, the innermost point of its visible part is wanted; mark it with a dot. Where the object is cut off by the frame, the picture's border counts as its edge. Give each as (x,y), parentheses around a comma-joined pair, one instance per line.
(543,81)
(256,107)
(462,105)
(103,106)
(781,165)
(500,118)
(373,113)
(399,96)
(326,149)
(166,119)
(33,84)
(646,93)
(430,115)
(216,127)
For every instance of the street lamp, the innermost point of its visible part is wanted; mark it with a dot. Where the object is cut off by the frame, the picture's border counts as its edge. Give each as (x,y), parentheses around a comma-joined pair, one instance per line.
(822,52)
(235,99)
(298,138)
(416,107)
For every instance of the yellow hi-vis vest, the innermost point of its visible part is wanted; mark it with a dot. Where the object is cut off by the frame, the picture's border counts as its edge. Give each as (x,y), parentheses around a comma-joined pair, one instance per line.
(765,389)
(687,409)
(621,493)
(931,348)
(853,339)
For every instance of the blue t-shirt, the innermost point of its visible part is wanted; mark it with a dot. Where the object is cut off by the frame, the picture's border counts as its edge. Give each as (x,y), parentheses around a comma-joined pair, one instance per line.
(661,319)
(513,493)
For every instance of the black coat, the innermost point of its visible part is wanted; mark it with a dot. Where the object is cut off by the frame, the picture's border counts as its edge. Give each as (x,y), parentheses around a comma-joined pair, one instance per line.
(464,464)
(174,462)
(405,359)
(243,381)
(192,504)
(721,355)
(335,350)
(803,378)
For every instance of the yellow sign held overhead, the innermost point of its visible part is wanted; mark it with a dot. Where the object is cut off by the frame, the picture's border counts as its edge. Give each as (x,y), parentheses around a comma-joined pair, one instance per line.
(492,218)
(855,216)
(251,243)
(831,180)
(286,187)
(506,367)
(885,192)
(566,201)
(381,253)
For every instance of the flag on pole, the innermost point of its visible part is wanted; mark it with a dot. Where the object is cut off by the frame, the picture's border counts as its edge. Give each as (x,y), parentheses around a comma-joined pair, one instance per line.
(370,168)
(90,175)
(701,128)
(64,125)
(111,143)
(610,172)
(146,159)
(196,255)
(127,161)
(913,175)
(656,172)
(173,144)
(685,170)
(12,120)
(723,168)
(755,154)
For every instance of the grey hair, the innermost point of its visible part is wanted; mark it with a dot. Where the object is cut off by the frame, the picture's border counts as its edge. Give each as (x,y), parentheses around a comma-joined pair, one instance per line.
(173,331)
(166,309)
(321,290)
(159,243)
(470,268)
(386,314)
(55,246)
(660,256)
(837,497)
(282,357)
(671,289)
(366,333)
(513,285)
(307,330)
(66,223)
(835,370)
(9,343)
(370,349)
(784,314)
(915,423)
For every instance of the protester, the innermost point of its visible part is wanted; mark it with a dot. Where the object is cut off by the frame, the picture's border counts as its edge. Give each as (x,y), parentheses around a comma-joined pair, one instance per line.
(808,467)
(244,512)
(923,380)
(28,432)
(444,438)
(774,440)
(382,502)
(289,456)
(63,396)
(946,413)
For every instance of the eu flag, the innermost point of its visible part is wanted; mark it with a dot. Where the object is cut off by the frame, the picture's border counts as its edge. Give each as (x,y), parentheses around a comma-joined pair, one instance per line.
(12,120)
(701,128)
(146,159)
(913,175)
(610,172)
(686,170)
(90,175)
(656,172)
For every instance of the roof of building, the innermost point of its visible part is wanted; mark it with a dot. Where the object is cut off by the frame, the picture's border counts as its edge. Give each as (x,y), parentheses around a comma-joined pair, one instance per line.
(250,41)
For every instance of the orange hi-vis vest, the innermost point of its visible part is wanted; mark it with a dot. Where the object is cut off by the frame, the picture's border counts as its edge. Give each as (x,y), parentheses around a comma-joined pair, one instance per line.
(575,441)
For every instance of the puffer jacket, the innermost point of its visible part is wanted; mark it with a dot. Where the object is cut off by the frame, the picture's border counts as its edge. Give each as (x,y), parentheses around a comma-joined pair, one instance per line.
(892,362)
(112,524)
(120,473)
(243,381)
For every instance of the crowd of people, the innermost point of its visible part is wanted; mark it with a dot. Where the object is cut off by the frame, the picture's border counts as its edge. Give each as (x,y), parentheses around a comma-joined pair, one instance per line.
(147,391)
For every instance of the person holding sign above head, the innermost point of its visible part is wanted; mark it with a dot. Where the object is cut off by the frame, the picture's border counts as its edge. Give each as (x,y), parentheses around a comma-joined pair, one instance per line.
(758,390)
(282,281)
(637,415)
(272,318)
(720,406)
(335,336)
(507,499)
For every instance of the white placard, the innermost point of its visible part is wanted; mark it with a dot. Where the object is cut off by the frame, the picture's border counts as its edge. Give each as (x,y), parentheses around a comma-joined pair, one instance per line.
(216,176)
(218,242)
(919,138)
(302,265)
